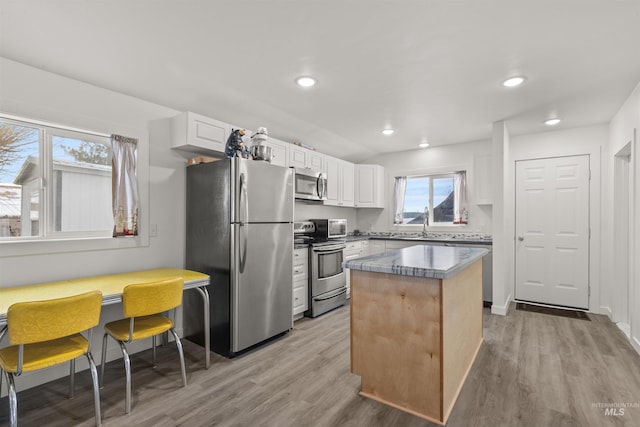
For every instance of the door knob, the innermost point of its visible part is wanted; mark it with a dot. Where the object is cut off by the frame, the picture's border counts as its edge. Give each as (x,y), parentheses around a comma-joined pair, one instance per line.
(520,238)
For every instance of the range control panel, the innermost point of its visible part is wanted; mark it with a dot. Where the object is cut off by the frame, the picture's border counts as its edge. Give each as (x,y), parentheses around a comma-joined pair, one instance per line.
(304,227)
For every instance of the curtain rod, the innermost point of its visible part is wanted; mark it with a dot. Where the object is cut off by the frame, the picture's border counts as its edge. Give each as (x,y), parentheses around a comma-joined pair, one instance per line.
(431,174)
(52,125)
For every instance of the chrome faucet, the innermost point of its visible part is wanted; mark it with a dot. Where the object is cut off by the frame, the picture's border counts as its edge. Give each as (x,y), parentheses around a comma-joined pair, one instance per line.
(425,220)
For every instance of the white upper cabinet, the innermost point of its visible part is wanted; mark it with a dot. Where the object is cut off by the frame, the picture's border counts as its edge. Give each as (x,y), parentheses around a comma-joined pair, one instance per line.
(347,171)
(301,157)
(340,182)
(331,169)
(280,151)
(369,186)
(482,180)
(199,134)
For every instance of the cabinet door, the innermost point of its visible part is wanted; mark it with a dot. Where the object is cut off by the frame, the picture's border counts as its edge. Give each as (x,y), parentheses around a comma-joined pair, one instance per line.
(364,251)
(297,156)
(332,180)
(347,188)
(280,152)
(377,247)
(199,134)
(352,251)
(315,160)
(482,180)
(369,186)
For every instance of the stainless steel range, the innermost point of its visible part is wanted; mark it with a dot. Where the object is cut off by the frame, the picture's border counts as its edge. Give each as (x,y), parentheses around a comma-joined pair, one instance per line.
(327,282)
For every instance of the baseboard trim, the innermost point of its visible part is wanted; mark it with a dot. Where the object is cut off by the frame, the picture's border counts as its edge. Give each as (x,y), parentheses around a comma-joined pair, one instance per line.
(501,310)
(635,343)
(607,312)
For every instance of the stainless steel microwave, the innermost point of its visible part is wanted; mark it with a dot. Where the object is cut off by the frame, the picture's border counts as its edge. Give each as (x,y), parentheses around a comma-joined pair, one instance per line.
(310,184)
(330,228)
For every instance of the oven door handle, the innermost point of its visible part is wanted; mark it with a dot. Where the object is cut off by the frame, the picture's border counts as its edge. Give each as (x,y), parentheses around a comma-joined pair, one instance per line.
(329,248)
(333,295)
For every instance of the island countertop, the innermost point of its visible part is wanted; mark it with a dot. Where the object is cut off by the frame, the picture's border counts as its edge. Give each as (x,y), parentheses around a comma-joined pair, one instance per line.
(437,262)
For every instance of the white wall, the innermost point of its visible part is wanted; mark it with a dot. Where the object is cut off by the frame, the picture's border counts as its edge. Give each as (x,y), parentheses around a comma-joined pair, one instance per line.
(591,140)
(623,129)
(37,94)
(436,159)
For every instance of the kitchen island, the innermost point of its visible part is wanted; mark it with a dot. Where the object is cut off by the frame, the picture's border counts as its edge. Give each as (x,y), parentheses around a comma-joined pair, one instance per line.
(416,325)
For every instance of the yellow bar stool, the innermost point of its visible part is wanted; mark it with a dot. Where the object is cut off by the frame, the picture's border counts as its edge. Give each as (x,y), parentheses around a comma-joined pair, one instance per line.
(143,304)
(47,333)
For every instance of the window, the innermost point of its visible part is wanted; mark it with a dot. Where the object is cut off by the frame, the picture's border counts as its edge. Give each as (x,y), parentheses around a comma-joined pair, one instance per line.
(431,199)
(54,182)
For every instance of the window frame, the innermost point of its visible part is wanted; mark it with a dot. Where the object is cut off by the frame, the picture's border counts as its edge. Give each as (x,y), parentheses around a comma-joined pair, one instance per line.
(443,169)
(431,177)
(46,222)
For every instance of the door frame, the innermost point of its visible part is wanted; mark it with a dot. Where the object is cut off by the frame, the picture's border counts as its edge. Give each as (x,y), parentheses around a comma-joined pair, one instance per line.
(593,286)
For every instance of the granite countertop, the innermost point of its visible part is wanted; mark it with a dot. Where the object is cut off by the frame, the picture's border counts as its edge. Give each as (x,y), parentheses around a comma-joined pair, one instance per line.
(437,262)
(467,238)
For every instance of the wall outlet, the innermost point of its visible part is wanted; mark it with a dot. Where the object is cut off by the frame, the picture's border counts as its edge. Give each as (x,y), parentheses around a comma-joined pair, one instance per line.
(153,230)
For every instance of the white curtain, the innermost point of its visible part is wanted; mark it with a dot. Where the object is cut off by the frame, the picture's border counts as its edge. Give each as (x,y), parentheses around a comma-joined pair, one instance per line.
(460,210)
(398,199)
(124,186)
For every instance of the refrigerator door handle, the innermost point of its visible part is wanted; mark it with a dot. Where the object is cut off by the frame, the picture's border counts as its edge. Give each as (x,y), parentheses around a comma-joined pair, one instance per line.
(244,209)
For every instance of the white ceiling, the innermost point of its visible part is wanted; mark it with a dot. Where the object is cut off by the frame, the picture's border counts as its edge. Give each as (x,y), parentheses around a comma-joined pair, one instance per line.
(428,68)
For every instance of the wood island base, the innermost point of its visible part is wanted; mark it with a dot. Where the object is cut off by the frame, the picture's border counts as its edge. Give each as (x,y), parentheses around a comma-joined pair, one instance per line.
(414,339)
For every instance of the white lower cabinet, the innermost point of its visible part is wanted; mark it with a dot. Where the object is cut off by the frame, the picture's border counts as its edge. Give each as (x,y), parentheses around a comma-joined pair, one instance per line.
(300,281)
(354,249)
(376,247)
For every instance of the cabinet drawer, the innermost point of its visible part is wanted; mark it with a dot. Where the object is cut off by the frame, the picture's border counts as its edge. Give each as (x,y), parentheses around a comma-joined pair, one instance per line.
(353,246)
(300,255)
(299,299)
(299,272)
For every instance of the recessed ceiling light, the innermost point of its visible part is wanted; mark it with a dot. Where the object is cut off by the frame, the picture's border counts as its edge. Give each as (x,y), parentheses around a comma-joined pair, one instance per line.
(514,81)
(387,131)
(423,145)
(306,81)
(551,122)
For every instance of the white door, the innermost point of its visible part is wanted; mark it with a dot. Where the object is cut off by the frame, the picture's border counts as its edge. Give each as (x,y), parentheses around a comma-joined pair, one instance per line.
(552,231)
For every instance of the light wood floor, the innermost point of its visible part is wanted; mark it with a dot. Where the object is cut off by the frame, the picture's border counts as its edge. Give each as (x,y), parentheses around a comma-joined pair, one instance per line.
(532,370)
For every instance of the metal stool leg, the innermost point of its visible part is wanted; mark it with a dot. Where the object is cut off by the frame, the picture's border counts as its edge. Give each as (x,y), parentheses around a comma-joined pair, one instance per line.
(153,345)
(96,389)
(72,377)
(127,371)
(103,360)
(13,401)
(182,367)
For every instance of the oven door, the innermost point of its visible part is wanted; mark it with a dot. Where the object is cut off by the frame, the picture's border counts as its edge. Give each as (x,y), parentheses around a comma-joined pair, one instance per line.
(326,268)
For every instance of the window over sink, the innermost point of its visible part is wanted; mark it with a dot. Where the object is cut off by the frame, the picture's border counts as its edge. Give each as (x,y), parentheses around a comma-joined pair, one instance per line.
(438,199)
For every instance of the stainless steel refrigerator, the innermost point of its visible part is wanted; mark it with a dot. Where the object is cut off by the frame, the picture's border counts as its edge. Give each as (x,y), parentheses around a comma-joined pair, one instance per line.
(240,232)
